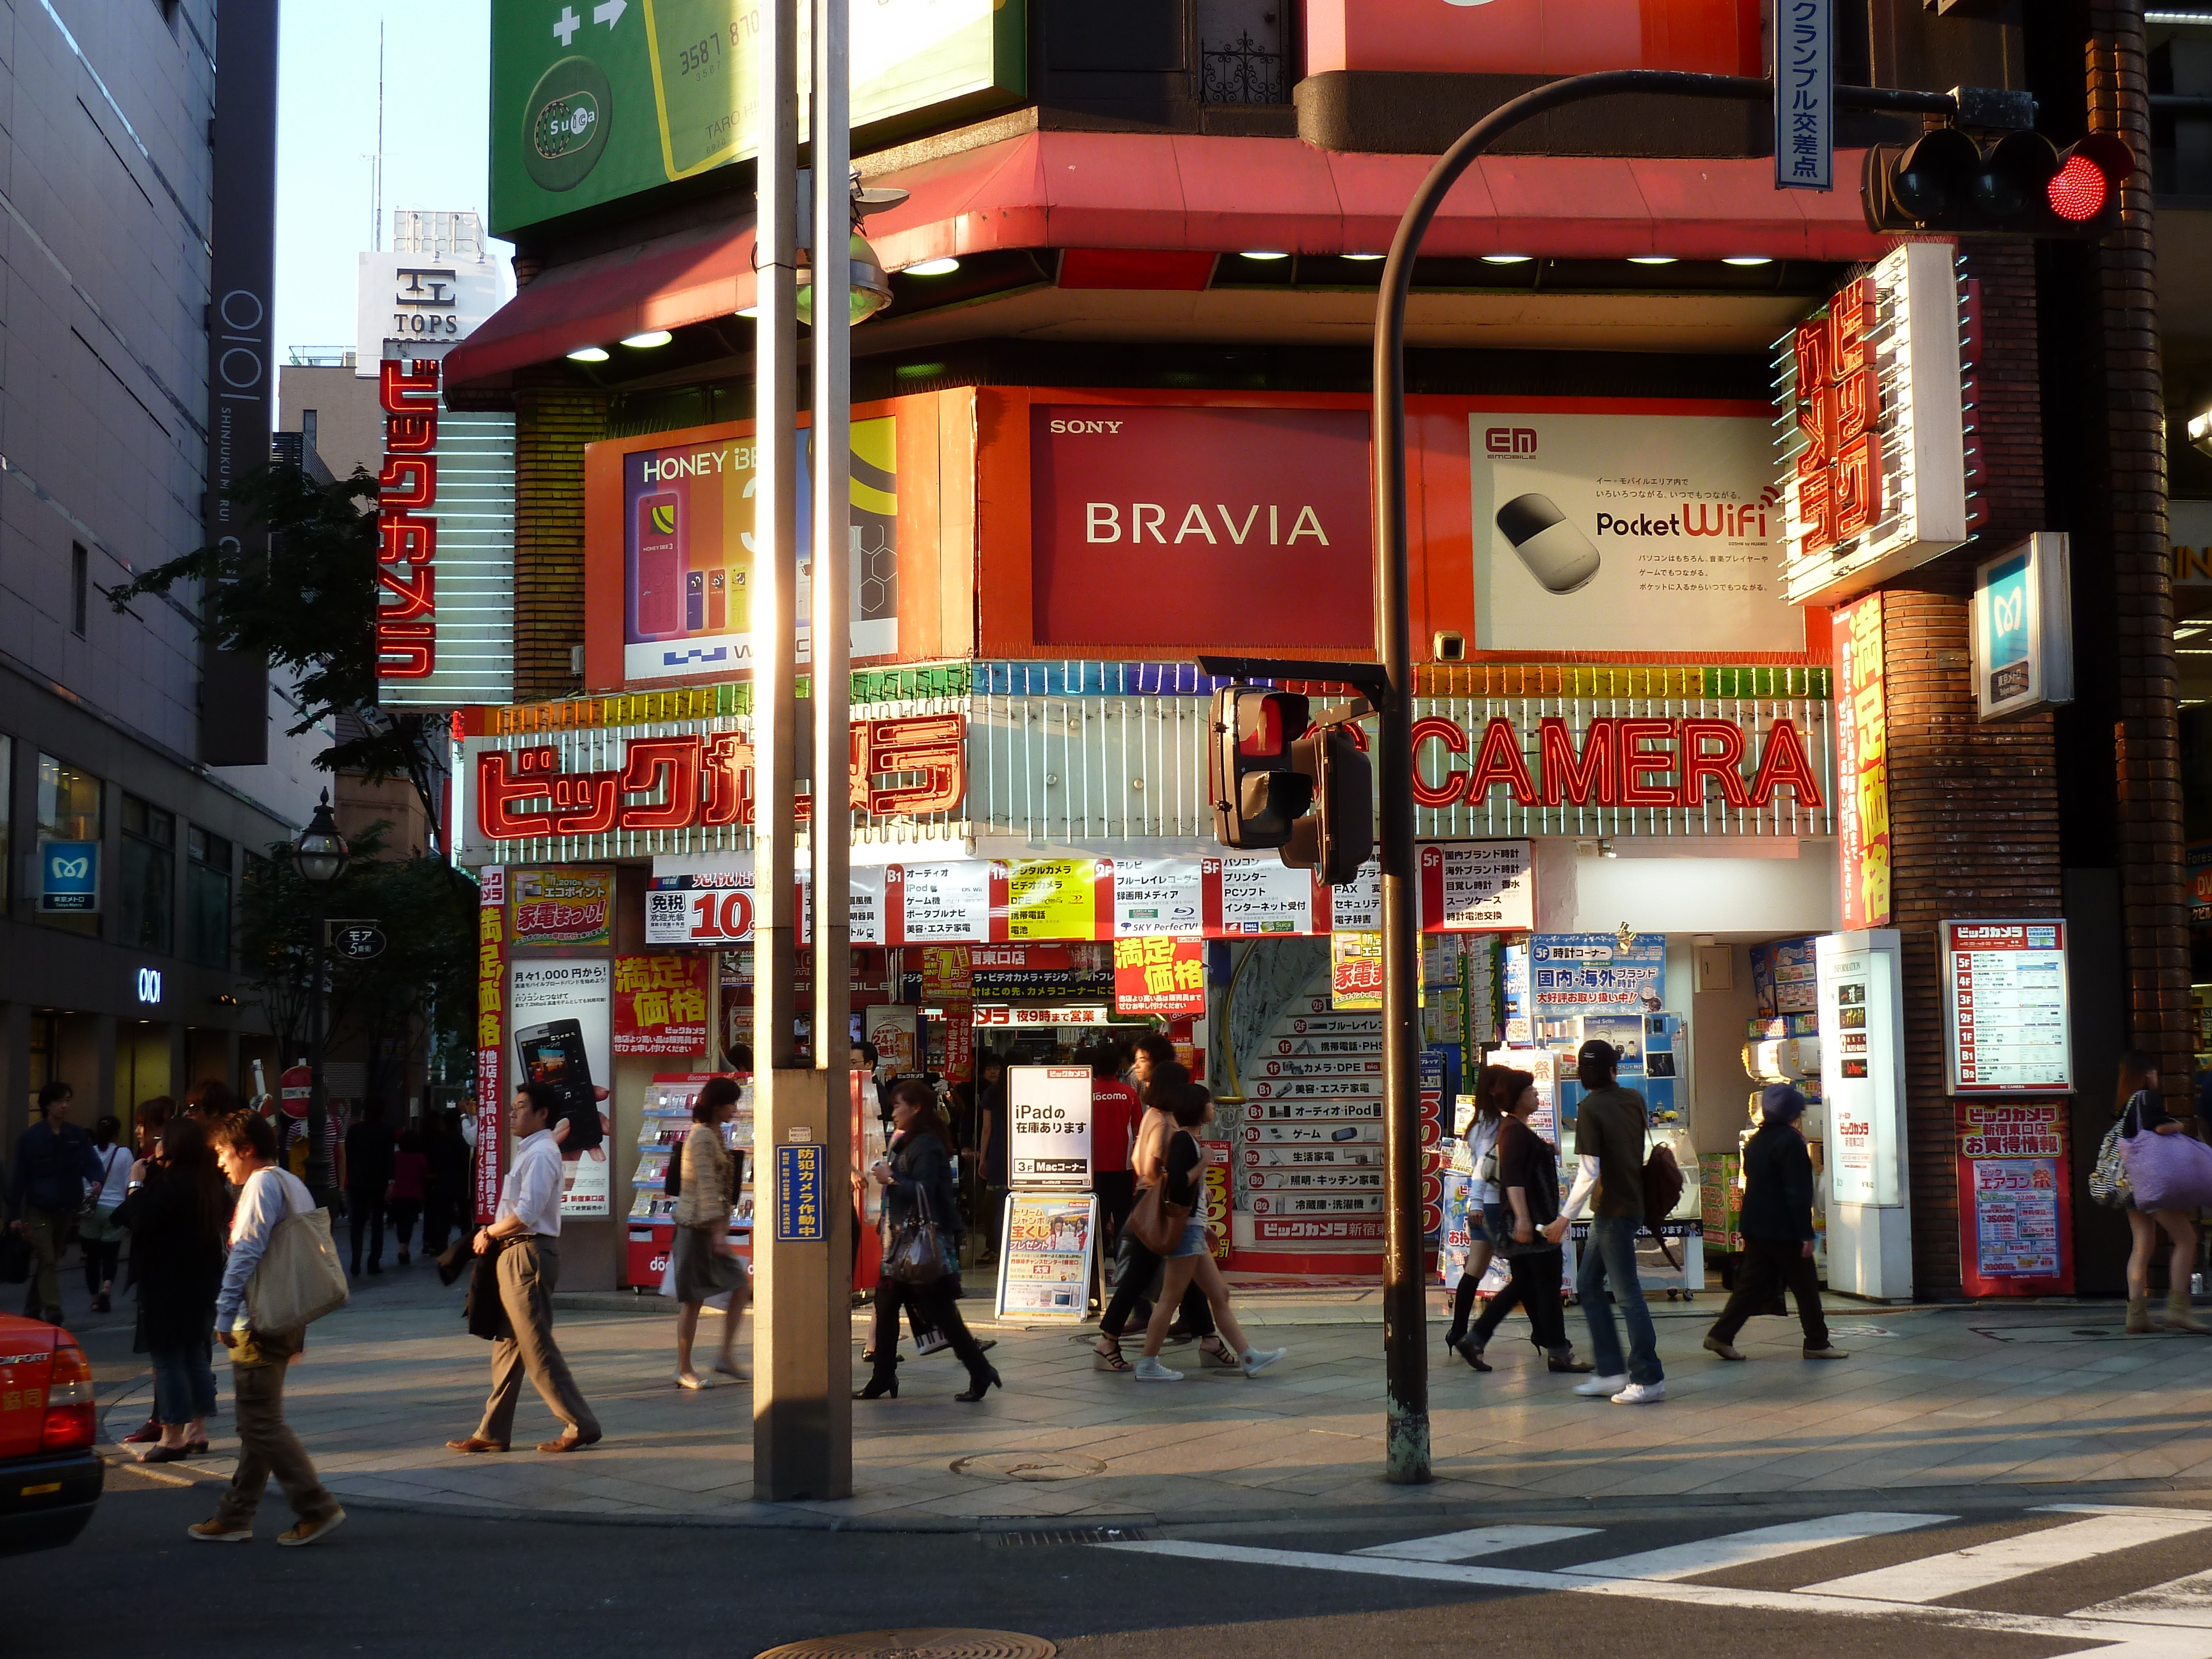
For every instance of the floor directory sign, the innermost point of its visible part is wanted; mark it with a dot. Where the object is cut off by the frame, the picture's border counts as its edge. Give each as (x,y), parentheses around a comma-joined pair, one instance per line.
(1049,1119)
(2005,993)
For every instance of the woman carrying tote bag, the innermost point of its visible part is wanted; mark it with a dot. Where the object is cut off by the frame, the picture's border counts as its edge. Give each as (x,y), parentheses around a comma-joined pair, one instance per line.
(704,1266)
(2142,1117)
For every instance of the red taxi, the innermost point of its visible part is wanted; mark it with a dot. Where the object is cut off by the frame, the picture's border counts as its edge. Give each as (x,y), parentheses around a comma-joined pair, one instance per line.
(50,1476)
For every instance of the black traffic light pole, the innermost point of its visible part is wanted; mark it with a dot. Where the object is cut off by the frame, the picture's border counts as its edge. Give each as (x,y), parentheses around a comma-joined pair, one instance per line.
(1404,1299)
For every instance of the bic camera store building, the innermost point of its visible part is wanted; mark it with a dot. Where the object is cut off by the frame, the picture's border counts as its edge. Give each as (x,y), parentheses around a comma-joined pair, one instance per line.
(1661,729)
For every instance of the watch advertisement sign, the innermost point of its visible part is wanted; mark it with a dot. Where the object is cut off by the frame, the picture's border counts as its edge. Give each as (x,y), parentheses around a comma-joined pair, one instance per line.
(560,1015)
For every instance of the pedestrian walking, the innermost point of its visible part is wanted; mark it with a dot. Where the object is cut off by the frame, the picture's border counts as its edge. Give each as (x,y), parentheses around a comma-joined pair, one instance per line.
(366,1169)
(446,1180)
(1189,1260)
(98,1230)
(1114,1111)
(148,1119)
(990,1105)
(1496,1089)
(1609,1126)
(527,1232)
(1527,1169)
(707,1185)
(1136,1266)
(918,1187)
(54,1165)
(1777,1228)
(246,1147)
(409,1171)
(2143,1111)
(177,1219)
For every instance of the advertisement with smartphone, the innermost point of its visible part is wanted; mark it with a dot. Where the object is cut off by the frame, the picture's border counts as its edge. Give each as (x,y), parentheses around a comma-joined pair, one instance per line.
(562,1016)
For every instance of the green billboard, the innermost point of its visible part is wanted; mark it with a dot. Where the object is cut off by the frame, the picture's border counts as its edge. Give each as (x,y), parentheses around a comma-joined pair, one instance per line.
(597,100)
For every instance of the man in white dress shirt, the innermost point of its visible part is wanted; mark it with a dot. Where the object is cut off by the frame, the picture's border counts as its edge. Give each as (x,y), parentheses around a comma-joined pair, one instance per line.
(527,1233)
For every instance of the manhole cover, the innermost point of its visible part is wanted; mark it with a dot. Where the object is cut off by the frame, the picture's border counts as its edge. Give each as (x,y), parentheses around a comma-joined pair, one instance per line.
(1028,1466)
(918,1644)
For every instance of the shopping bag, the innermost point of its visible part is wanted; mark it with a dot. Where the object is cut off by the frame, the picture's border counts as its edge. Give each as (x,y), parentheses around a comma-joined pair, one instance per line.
(2167,1172)
(299,1278)
(920,1254)
(2108,1179)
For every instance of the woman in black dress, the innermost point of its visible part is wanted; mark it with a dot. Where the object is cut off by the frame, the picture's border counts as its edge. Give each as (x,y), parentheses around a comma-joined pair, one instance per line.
(178,1220)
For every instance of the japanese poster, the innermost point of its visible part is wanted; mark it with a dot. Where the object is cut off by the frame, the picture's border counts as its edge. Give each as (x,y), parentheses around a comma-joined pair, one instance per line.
(660,1005)
(1044,1271)
(1574,974)
(2015,1210)
(1861,763)
(1159,976)
(561,906)
(1355,969)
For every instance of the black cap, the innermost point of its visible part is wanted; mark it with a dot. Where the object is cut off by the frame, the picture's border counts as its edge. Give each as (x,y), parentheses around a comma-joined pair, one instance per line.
(1524,515)
(1597,1052)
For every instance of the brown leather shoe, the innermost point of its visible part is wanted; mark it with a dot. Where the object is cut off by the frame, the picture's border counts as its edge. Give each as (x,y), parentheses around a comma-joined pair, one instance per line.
(568,1443)
(473,1444)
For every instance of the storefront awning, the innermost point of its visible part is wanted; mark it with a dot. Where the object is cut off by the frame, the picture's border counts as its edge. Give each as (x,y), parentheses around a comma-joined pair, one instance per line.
(1200,193)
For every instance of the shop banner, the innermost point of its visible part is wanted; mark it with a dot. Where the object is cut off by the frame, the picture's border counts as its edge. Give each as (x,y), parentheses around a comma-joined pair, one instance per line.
(1160,975)
(1575,974)
(562,906)
(1040,972)
(1049,1119)
(944,972)
(1355,969)
(660,1005)
(1044,1273)
(930,903)
(1477,886)
(1055,899)
(560,1013)
(1862,765)
(2015,1203)
(1156,895)
(2005,994)
(1041,1015)
(491,1038)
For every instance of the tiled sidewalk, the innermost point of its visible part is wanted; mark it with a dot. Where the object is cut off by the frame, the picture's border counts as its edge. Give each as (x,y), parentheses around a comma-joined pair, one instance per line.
(1932,1399)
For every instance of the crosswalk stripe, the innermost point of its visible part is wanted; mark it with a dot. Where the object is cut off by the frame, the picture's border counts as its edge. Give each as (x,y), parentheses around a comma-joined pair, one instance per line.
(2177,1602)
(1935,1577)
(1476,1540)
(1738,1549)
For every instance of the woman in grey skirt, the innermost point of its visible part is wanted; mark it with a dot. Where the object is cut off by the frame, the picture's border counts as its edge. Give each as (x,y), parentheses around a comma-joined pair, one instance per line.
(705,1266)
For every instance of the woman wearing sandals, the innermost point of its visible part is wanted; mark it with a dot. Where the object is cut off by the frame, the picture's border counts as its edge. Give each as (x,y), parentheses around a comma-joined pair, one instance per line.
(917,1180)
(706,1192)
(1161,1085)
(1183,1182)
(1529,1176)
(2141,1109)
(1485,1199)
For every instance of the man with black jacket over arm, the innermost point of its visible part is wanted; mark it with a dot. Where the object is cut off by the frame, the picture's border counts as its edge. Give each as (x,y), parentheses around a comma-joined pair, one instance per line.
(1778,1229)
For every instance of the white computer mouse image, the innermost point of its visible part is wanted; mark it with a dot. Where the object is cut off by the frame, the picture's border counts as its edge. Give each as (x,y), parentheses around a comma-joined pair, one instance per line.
(1557,554)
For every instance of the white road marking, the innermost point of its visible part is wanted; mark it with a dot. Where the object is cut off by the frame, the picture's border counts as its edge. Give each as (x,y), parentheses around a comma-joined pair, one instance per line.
(2131,1638)
(1935,1577)
(2177,1602)
(1738,1549)
(1476,1540)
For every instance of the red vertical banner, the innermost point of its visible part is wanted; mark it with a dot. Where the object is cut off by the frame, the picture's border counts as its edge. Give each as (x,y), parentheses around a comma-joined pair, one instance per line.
(2015,1203)
(491,1036)
(1218,1155)
(1861,763)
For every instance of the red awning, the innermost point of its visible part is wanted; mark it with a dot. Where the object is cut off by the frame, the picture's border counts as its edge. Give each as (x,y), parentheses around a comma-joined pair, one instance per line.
(1201,194)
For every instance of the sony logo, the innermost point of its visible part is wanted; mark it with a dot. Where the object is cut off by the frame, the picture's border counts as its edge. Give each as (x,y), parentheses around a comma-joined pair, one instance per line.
(1086,426)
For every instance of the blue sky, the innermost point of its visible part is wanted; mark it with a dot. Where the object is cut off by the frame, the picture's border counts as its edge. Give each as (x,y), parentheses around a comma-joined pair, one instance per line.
(437,92)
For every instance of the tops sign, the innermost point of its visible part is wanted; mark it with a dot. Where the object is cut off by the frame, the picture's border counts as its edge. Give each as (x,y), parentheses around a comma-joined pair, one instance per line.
(1882,429)
(413,305)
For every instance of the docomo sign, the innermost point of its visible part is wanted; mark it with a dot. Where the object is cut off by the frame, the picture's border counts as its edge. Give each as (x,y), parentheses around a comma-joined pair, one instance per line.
(706,779)
(1617,763)
(406,546)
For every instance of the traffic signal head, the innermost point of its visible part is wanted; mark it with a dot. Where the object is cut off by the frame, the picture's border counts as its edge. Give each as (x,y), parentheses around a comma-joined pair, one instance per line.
(1337,836)
(1258,792)
(2019,183)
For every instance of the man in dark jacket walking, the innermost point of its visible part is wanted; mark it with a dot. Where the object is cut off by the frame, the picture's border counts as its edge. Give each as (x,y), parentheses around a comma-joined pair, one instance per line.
(54,1162)
(1778,1229)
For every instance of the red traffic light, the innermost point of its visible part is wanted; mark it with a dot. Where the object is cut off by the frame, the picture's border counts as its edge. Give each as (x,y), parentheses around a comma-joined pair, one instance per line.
(1258,792)
(2014,184)
(2078,191)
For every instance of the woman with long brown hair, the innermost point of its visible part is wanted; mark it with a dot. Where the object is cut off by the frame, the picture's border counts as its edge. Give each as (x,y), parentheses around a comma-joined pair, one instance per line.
(2142,1111)
(1529,1176)
(177,1222)
(1495,1091)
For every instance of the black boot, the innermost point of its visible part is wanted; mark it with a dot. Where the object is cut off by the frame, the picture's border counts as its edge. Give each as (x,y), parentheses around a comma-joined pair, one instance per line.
(981,1381)
(884,1382)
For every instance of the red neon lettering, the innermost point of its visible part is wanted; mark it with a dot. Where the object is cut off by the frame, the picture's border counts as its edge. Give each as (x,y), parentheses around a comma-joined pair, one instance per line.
(403,540)
(409,434)
(505,777)
(1596,773)
(1785,761)
(1447,733)
(407,481)
(648,757)
(409,646)
(405,387)
(415,599)
(1499,761)
(1723,765)
(1636,760)
(727,760)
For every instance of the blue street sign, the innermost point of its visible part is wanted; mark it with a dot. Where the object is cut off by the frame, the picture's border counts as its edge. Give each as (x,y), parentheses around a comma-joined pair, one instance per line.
(800,1215)
(69,876)
(1804,94)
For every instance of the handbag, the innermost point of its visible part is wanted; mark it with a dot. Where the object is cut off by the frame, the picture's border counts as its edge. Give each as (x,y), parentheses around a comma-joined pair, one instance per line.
(919,1254)
(299,1278)
(1155,1223)
(2108,1176)
(2167,1172)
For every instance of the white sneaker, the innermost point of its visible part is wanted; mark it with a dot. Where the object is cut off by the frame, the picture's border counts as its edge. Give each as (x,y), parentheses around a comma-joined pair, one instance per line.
(1149,1369)
(693,1380)
(1641,1393)
(1258,1359)
(1604,1385)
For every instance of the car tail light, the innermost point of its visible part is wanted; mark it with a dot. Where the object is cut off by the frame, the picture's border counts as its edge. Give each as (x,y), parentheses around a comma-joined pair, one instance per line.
(71,1423)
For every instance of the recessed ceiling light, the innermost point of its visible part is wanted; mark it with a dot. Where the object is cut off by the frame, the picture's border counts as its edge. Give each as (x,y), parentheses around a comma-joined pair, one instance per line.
(1747,259)
(1507,258)
(588,354)
(1363,255)
(1263,254)
(944,267)
(651,337)
(1652,258)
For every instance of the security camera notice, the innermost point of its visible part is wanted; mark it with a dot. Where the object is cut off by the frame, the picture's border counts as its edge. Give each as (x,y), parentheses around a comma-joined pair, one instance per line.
(1049,1126)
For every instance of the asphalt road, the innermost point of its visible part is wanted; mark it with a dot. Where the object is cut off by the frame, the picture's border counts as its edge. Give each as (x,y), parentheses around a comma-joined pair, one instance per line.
(391,1582)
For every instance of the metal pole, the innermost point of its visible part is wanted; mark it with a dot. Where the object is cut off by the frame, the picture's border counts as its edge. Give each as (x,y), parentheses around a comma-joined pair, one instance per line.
(788,1429)
(1404,1301)
(830,833)
(319,1144)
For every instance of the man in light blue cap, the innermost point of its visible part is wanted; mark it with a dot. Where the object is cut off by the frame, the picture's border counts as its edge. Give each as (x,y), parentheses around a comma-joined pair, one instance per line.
(1778,1229)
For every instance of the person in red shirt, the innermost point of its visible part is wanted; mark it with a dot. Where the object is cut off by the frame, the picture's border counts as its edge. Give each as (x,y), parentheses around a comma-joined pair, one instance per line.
(1115,1110)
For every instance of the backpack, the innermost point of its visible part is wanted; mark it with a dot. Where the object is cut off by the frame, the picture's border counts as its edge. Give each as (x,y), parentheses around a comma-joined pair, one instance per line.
(1662,1191)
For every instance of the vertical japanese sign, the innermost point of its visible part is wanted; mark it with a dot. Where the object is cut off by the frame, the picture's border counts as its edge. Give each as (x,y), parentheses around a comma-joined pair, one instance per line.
(1159,976)
(1804,94)
(660,1005)
(1862,765)
(2014,1206)
(491,1034)
(1355,969)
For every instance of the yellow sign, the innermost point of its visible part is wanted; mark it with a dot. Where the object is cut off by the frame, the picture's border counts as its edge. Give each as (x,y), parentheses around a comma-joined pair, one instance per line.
(1355,963)
(1051,899)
